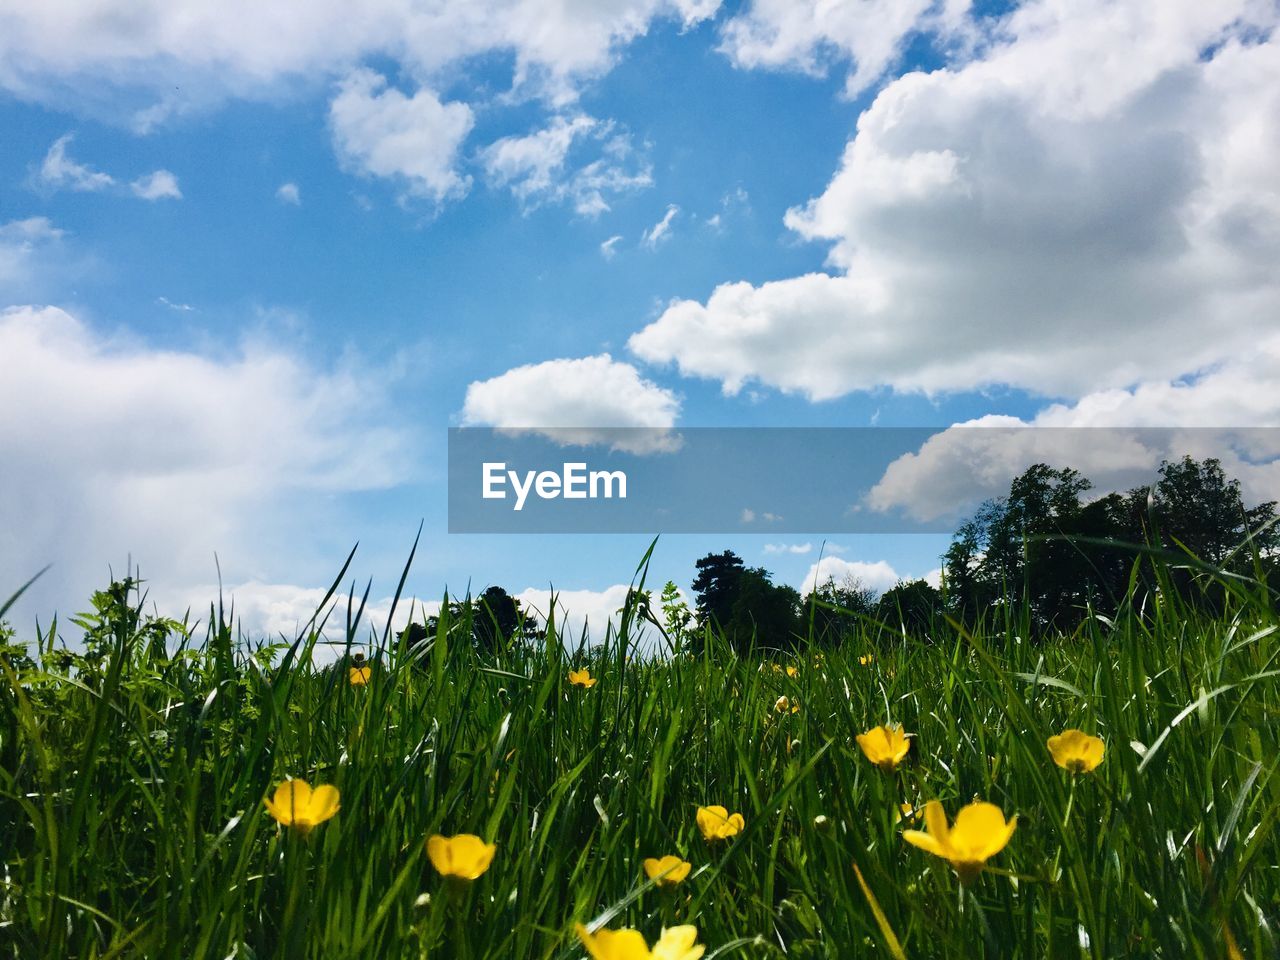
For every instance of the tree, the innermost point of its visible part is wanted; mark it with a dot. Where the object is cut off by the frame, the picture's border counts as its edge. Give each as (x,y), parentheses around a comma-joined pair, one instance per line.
(497,618)
(1195,504)
(764,613)
(716,587)
(1044,547)
(835,608)
(910,605)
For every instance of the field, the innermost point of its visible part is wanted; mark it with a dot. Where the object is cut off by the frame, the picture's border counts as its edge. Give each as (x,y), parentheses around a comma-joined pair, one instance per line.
(133,823)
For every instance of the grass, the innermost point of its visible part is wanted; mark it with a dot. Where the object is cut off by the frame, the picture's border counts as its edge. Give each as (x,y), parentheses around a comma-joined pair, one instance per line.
(132,821)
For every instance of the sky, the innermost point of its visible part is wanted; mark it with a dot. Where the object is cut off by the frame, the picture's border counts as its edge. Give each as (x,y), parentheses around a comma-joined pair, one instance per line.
(256,258)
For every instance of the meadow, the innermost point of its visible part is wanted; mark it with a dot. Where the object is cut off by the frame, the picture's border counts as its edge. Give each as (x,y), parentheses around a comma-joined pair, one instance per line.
(133,781)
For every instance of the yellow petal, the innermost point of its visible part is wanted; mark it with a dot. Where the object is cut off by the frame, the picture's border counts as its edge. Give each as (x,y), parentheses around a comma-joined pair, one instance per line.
(935,821)
(292,800)
(980,832)
(614,944)
(678,943)
(1076,751)
(711,819)
(667,870)
(925,841)
(465,856)
(324,804)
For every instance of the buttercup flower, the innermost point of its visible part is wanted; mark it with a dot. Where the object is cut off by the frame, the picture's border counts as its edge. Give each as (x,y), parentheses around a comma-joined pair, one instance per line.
(793,671)
(582,678)
(784,704)
(359,676)
(1076,751)
(885,746)
(296,805)
(676,943)
(667,871)
(866,660)
(465,856)
(717,823)
(980,832)
(907,812)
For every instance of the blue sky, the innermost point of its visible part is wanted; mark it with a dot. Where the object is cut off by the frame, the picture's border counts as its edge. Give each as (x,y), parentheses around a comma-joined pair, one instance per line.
(253,264)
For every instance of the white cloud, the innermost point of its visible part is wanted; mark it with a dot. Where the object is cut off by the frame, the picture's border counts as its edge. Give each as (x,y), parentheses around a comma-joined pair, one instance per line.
(589,610)
(751,516)
(800,549)
(536,166)
(278,612)
(661,230)
(173,305)
(162,59)
(158,185)
(806,35)
(608,249)
(113,450)
(59,172)
(378,131)
(290,194)
(878,576)
(1209,415)
(20,244)
(1091,205)
(578,402)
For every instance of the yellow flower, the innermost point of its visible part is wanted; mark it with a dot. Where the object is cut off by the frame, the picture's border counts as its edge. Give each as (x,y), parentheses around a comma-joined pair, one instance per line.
(980,832)
(359,676)
(582,678)
(465,856)
(885,746)
(667,871)
(297,805)
(783,704)
(865,660)
(676,943)
(1076,751)
(907,812)
(793,671)
(717,823)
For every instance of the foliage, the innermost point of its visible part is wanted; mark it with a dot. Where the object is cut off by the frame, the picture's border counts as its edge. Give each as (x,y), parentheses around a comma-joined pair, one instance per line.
(132,821)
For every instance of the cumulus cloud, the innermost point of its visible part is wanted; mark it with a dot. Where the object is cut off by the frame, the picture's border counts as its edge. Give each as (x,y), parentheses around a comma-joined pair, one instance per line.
(290,194)
(536,167)
(58,171)
(21,242)
(115,451)
(161,59)
(878,576)
(608,249)
(1091,204)
(280,612)
(799,549)
(808,35)
(380,132)
(159,185)
(661,230)
(1116,438)
(577,611)
(581,401)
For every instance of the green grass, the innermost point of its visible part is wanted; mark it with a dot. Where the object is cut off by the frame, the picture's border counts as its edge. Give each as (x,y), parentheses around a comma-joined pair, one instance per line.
(132,822)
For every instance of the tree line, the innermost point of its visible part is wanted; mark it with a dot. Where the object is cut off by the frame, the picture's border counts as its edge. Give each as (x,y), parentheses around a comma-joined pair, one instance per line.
(1048,549)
